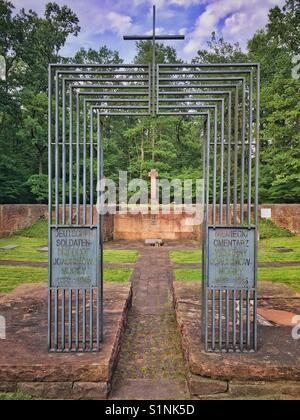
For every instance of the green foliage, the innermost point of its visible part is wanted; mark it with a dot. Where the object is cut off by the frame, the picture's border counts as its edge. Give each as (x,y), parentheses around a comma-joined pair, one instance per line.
(220,51)
(39,187)
(268,229)
(39,230)
(29,42)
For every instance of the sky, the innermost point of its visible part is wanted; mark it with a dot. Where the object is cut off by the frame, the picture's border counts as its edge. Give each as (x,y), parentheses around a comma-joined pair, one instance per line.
(104,22)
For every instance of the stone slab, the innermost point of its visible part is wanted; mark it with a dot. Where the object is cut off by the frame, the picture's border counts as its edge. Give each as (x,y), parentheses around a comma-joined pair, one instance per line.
(8,247)
(24,358)
(278,357)
(43,249)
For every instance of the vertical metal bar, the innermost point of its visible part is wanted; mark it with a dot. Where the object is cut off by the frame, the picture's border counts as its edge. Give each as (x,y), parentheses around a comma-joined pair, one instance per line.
(250,151)
(222,162)
(234,319)
(71,159)
(64,183)
(56,150)
(70,319)
(49,206)
(84,161)
(213,320)
(229,159)
(91,319)
(248,317)
(77,320)
(77,159)
(255,338)
(236,151)
(221,319)
(215,169)
(84,319)
(101,238)
(204,286)
(98,322)
(241,321)
(242,202)
(100,313)
(63,320)
(91,169)
(207,215)
(257,160)
(227,318)
(257,146)
(56,319)
(49,319)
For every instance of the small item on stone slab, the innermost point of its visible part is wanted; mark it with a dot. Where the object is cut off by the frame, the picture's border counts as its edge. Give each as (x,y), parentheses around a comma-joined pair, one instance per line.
(154,242)
(283,249)
(8,247)
(43,249)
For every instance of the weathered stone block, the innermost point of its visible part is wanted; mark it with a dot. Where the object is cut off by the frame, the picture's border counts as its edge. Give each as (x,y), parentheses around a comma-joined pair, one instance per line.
(201,386)
(47,390)
(8,387)
(90,391)
(259,389)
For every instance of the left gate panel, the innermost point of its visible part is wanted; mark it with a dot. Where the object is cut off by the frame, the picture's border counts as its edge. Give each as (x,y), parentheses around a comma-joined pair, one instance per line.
(75,321)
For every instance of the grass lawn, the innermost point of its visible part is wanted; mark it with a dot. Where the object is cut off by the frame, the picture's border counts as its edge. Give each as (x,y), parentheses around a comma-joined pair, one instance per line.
(12,277)
(286,275)
(27,249)
(267,253)
(186,257)
(29,240)
(120,257)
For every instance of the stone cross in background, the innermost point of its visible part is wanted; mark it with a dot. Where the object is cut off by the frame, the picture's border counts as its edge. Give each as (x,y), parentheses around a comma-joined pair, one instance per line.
(153,175)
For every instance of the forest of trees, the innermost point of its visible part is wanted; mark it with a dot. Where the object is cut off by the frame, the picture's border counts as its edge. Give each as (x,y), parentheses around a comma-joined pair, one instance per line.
(30,42)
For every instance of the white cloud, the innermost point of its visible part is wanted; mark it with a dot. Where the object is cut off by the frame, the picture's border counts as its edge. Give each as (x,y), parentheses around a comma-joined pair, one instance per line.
(166,3)
(119,23)
(236,20)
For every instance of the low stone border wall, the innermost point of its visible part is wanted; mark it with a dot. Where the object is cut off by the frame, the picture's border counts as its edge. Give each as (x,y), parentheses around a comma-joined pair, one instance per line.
(25,364)
(272,372)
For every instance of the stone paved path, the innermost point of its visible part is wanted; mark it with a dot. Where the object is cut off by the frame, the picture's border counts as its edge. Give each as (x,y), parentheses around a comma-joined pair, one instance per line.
(151,363)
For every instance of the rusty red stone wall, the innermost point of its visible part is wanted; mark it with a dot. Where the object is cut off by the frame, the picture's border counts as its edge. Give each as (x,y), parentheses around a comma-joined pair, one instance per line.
(14,217)
(161,226)
(140,227)
(285,215)
(179,227)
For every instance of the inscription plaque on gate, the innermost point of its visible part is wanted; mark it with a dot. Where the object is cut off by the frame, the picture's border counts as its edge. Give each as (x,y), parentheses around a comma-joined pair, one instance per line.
(74,255)
(231,262)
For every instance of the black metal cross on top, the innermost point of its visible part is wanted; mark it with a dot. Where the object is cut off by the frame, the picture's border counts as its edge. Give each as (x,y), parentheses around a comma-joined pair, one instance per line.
(154,38)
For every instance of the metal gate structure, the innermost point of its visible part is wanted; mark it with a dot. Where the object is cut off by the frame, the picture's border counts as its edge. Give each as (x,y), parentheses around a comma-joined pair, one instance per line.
(226,97)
